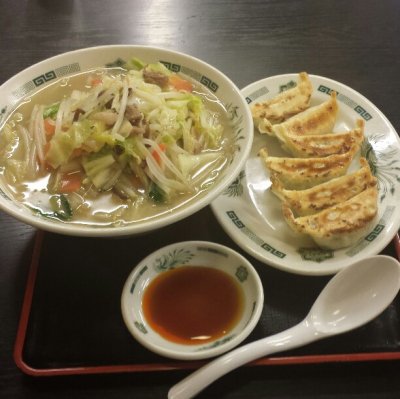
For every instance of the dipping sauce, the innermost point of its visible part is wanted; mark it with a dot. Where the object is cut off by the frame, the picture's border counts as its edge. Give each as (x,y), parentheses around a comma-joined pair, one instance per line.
(193,304)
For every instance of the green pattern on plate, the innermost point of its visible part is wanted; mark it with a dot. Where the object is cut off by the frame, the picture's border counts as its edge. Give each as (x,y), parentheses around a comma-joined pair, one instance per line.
(242,273)
(236,123)
(172,259)
(3,112)
(216,343)
(262,91)
(348,101)
(213,251)
(254,237)
(253,308)
(45,78)
(171,66)
(141,327)
(287,86)
(376,231)
(235,189)
(385,165)
(137,279)
(204,80)
(4,195)
(316,254)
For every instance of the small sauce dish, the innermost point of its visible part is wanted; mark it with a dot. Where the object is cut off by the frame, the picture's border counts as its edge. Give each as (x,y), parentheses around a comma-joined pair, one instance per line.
(192,300)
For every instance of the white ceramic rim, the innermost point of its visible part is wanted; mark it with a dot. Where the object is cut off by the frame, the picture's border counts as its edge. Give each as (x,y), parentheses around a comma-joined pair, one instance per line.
(154,222)
(206,353)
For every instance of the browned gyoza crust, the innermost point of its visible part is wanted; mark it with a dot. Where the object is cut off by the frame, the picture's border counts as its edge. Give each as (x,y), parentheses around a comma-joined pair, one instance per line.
(340,225)
(321,196)
(319,119)
(283,106)
(302,173)
(321,145)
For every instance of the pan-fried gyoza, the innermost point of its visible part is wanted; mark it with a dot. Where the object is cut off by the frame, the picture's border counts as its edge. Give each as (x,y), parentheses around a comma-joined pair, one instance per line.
(321,145)
(319,119)
(302,173)
(322,196)
(286,104)
(340,225)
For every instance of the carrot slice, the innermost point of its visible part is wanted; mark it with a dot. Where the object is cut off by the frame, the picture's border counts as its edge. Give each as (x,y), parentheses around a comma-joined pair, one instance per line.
(94,81)
(180,84)
(70,182)
(162,147)
(49,127)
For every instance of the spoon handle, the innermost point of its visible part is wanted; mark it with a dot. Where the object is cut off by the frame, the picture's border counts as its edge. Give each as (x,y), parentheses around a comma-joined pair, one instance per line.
(300,334)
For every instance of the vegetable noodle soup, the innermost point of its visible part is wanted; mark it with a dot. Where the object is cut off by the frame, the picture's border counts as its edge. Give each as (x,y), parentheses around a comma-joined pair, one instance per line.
(115,146)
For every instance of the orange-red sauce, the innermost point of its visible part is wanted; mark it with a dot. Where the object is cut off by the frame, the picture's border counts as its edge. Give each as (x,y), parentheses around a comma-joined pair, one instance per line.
(193,304)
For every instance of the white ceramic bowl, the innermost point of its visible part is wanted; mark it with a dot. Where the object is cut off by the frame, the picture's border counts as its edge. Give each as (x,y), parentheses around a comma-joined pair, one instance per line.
(191,253)
(30,80)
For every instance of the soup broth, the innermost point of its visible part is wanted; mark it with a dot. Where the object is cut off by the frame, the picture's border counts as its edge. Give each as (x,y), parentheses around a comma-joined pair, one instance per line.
(112,146)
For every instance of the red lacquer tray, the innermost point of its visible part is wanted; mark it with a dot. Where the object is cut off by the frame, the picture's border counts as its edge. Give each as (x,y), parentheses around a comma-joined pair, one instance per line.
(71,321)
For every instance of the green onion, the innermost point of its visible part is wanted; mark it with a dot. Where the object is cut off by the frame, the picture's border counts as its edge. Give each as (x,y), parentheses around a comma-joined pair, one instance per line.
(156,194)
(51,111)
(61,207)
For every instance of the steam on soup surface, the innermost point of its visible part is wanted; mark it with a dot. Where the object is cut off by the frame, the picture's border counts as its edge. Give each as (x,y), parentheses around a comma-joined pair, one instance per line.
(115,146)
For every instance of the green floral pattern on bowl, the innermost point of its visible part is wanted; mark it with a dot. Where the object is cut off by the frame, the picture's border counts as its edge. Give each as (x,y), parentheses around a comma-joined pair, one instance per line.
(172,259)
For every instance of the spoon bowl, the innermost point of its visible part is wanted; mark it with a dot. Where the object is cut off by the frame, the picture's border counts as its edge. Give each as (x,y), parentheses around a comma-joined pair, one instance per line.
(356,295)
(353,297)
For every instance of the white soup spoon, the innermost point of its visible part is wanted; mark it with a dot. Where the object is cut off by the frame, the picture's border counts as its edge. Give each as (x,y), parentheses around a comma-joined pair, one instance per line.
(354,296)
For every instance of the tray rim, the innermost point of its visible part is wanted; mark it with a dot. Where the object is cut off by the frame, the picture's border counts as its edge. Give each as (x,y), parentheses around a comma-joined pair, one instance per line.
(169,366)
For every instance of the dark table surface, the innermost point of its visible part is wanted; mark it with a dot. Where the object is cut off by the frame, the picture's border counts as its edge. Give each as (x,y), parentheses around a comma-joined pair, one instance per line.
(354,42)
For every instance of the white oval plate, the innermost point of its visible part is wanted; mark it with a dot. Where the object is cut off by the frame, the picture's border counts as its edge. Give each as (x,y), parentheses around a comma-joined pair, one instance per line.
(251,214)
